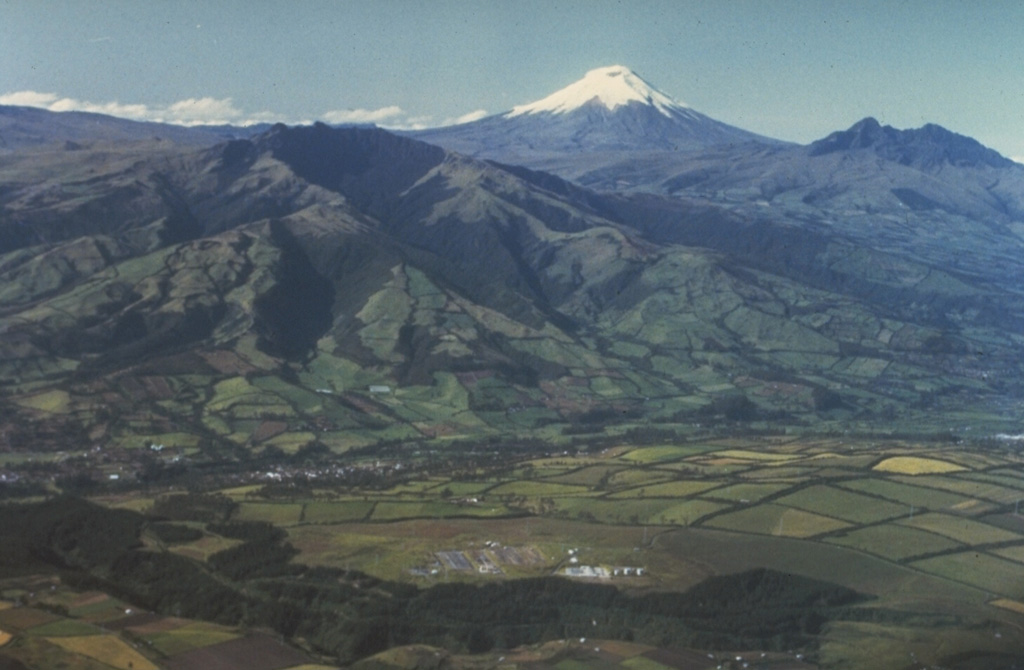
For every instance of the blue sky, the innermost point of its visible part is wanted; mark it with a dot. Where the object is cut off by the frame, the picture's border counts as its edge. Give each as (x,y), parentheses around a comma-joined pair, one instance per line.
(791,69)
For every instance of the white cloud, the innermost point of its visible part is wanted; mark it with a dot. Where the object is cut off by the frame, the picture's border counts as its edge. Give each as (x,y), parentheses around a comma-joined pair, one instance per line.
(135,112)
(465,118)
(409,123)
(196,111)
(188,112)
(28,99)
(363,115)
(221,111)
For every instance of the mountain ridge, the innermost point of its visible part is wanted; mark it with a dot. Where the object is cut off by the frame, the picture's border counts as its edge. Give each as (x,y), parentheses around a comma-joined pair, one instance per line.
(22,126)
(317,263)
(926,146)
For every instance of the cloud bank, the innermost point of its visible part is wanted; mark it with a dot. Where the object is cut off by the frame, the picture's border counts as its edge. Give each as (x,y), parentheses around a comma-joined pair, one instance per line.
(223,111)
(381,115)
(188,112)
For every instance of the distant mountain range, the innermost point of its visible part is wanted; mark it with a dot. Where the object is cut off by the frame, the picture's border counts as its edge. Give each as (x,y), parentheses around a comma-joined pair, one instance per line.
(29,126)
(343,286)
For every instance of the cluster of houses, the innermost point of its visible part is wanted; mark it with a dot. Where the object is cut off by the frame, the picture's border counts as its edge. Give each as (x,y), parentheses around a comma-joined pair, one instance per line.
(601,572)
(574,569)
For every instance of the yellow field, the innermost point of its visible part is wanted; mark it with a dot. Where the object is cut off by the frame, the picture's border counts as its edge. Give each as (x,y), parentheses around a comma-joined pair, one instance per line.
(747,455)
(202,548)
(536,489)
(56,402)
(240,492)
(4,605)
(654,454)
(677,489)
(798,523)
(912,465)
(107,649)
(1007,604)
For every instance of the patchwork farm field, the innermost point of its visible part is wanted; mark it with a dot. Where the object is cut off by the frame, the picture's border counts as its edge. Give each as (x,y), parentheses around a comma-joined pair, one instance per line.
(939,551)
(922,507)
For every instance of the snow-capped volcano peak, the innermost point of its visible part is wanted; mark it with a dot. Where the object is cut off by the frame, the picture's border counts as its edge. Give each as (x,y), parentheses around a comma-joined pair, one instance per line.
(612,87)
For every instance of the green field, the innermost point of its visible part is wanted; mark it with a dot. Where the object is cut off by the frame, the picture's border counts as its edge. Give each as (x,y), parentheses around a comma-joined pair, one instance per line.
(391,511)
(744,492)
(771,519)
(536,489)
(611,511)
(918,496)
(638,477)
(967,487)
(844,505)
(66,627)
(894,542)
(336,512)
(458,489)
(675,489)
(686,513)
(276,513)
(960,529)
(993,574)
(188,637)
(587,476)
(1015,553)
